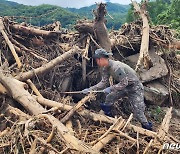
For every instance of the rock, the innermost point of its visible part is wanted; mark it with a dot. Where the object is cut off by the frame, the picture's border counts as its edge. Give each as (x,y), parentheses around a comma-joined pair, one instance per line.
(155,93)
(158,70)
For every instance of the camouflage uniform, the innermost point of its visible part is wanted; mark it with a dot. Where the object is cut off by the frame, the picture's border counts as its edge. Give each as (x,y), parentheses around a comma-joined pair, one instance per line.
(127,83)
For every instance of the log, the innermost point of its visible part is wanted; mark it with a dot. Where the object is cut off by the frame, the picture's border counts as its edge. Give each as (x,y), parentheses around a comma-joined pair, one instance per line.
(93,116)
(17,91)
(144,57)
(84,60)
(47,67)
(33,31)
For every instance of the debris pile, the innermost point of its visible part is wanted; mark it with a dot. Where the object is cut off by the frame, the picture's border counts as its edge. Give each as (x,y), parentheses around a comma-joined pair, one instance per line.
(38,64)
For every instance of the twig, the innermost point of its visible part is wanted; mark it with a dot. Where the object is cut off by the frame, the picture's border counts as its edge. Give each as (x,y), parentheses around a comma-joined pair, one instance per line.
(148,146)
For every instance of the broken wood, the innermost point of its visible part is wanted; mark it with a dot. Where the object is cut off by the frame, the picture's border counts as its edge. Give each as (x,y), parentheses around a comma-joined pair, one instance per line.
(33,31)
(144,57)
(76,107)
(48,66)
(93,116)
(9,44)
(100,28)
(163,130)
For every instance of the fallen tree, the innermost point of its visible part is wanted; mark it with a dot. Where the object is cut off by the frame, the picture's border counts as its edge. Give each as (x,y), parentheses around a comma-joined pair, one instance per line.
(50,120)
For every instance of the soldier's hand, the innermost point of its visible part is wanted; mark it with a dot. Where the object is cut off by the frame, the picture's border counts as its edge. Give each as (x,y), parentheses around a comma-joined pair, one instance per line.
(85,91)
(107,90)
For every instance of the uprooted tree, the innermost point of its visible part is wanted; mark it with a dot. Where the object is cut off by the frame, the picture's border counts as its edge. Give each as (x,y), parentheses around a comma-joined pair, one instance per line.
(37,65)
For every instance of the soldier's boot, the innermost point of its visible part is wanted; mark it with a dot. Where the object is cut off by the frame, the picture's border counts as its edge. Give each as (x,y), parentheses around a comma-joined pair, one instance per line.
(147,126)
(106,108)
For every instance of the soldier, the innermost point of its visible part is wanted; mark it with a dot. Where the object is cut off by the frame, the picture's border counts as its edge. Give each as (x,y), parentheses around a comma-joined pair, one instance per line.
(127,84)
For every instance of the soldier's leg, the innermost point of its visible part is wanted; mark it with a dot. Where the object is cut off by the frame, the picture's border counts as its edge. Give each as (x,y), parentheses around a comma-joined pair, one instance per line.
(110,99)
(113,96)
(137,104)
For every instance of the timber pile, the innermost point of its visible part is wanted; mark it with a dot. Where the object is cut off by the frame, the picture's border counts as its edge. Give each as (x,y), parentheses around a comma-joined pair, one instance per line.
(38,63)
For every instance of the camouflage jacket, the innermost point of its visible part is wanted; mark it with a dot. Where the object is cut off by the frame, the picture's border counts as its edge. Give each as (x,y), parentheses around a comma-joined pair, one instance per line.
(123,74)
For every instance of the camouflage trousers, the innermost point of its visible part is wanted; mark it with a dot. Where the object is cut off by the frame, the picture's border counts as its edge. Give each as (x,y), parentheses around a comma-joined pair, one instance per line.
(135,94)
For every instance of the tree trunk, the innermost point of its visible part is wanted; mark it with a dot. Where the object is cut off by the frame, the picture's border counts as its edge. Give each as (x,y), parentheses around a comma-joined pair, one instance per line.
(100,29)
(144,57)
(17,91)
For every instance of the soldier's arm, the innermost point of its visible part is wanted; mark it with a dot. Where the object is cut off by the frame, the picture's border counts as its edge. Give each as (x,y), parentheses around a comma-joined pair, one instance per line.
(103,83)
(123,80)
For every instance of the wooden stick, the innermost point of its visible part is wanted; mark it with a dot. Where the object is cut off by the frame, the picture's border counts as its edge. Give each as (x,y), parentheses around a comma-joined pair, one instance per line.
(98,146)
(109,130)
(9,44)
(84,61)
(33,87)
(76,107)
(48,66)
(148,146)
(51,135)
(93,116)
(165,124)
(125,135)
(129,119)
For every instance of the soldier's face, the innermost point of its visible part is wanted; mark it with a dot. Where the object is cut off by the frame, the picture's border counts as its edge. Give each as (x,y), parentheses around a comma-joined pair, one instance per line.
(102,62)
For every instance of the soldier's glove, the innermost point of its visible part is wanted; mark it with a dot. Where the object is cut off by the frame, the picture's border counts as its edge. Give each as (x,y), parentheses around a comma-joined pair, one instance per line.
(85,91)
(107,90)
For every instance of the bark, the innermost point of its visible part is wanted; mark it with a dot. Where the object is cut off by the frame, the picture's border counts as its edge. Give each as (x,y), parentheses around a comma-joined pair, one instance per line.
(47,67)
(144,57)
(9,44)
(163,130)
(17,91)
(33,31)
(84,27)
(100,29)
(75,108)
(93,116)
(84,61)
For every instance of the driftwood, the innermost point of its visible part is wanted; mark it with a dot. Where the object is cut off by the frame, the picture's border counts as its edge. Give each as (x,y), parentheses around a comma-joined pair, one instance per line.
(86,132)
(33,31)
(144,55)
(9,44)
(17,91)
(76,107)
(93,116)
(48,66)
(100,28)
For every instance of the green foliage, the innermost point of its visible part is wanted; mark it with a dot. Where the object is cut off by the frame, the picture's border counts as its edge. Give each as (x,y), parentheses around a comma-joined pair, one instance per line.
(45,14)
(162,12)
(41,15)
(117,11)
(157,113)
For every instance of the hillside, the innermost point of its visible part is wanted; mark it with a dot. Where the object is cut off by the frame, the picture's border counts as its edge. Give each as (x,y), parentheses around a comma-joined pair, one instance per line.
(117,11)
(45,14)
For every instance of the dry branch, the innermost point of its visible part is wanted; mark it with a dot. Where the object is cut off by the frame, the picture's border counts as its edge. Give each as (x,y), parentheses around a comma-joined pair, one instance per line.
(48,66)
(93,116)
(76,107)
(9,44)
